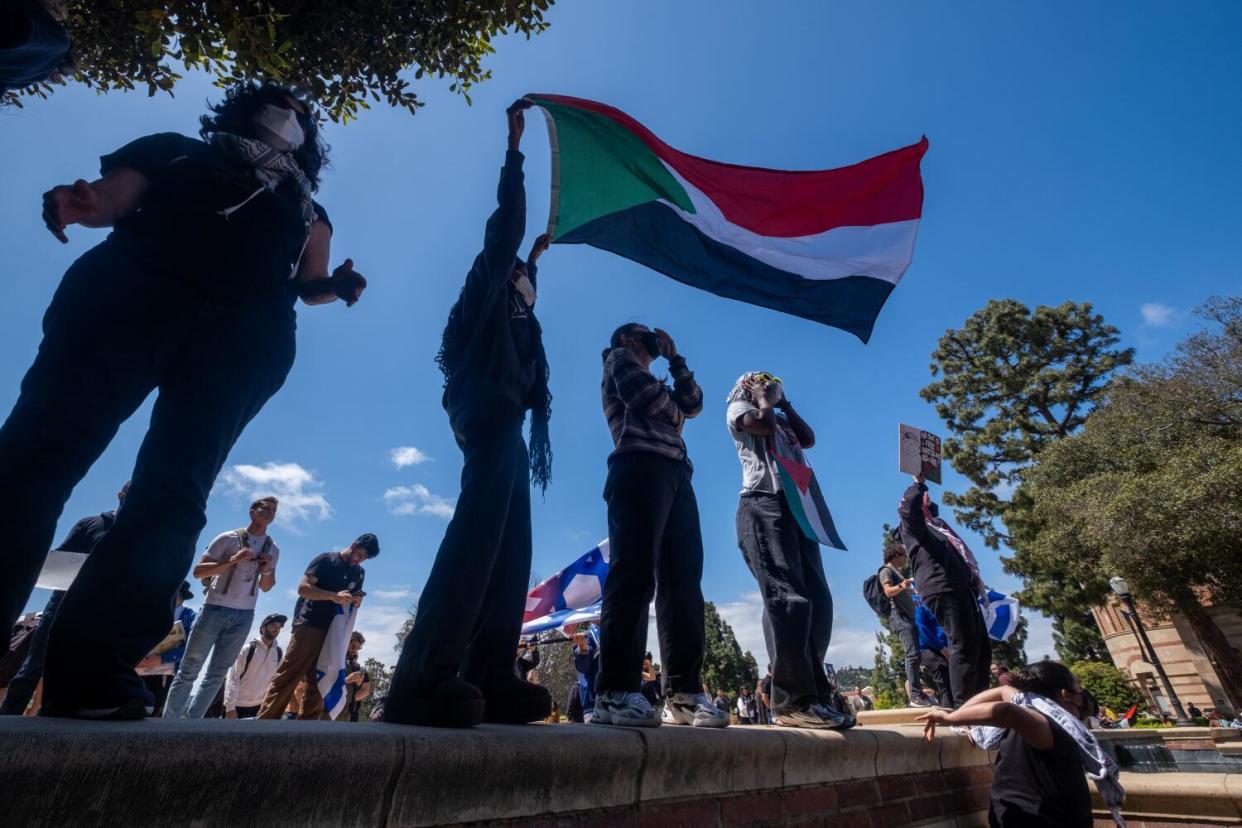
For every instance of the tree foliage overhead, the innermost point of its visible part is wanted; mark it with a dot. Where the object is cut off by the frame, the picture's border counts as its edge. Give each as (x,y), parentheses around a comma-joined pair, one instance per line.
(346,55)
(1110,686)
(1150,488)
(1011,382)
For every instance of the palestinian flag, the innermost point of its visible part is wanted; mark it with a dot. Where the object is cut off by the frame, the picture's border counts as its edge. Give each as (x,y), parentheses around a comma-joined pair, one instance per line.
(826,245)
(803,495)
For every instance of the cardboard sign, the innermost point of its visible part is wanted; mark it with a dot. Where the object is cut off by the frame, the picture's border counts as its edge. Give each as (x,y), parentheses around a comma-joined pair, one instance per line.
(919,452)
(59,569)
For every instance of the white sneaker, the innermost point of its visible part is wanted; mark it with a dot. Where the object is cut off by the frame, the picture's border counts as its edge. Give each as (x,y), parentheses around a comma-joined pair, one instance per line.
(616,707)
(811,716)
(694,709)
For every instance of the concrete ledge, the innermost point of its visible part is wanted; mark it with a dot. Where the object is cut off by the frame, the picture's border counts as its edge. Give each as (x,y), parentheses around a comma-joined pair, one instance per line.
(230,773)
(1184,799)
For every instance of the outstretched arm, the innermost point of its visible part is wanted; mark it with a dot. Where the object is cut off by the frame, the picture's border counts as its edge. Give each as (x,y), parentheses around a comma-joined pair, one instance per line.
(993,708)
(100,203)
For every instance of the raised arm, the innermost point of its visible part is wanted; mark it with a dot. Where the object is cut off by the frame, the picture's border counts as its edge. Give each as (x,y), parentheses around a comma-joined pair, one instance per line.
(687,395)
(806,437)
(910,509)
(638,389)
(99,203)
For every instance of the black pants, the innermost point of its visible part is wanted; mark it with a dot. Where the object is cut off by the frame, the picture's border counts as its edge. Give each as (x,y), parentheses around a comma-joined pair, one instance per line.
(904,628)
(116,331)
(158,687)
(655,549)
(970,652)
(797,604)
(470,610)
(22,686)
(937,667)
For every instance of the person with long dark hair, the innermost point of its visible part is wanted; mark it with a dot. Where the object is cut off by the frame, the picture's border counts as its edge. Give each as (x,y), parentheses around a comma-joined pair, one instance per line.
(456,667)
(1044,751)
(192,295)
(656,546)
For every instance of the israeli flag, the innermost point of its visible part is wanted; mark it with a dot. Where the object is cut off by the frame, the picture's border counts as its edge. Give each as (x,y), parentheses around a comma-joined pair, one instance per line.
(330,669)
(571,596)
(1001,615)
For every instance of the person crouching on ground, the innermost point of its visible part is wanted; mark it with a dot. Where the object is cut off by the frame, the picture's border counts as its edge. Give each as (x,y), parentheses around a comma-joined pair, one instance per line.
(457,665)
(786,564)
(192,295)
(653,529)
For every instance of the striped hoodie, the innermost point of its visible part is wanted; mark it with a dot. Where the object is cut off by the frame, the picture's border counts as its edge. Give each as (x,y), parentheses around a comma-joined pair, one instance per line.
(643,413)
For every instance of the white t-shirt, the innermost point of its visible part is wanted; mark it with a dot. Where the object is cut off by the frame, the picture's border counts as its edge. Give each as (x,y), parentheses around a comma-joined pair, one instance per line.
(758,469)
(237,588)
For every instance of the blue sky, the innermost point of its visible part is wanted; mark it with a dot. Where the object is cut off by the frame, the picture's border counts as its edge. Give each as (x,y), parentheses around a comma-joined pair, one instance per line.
(1078,151)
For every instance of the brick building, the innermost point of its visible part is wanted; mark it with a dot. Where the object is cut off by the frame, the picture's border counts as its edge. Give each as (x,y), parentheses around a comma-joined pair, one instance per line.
(1190,669)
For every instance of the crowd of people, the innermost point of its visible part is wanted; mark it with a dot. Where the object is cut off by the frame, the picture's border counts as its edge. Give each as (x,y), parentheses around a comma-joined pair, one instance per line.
(236,211)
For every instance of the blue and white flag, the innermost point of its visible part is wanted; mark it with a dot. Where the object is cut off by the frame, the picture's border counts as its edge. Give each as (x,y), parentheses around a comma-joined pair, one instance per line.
(1001,615)
(330,669)
(571,596)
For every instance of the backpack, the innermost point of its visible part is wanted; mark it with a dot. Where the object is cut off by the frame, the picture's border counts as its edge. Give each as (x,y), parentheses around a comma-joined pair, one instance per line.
(243,537)
(250,655)
(873,592)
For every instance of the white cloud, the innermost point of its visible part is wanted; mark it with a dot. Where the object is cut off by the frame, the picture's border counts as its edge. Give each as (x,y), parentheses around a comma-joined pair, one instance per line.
(379,625)
(417,500)
(397,593)
(1039,641)
(404,456)
(1157,315)
(300,493)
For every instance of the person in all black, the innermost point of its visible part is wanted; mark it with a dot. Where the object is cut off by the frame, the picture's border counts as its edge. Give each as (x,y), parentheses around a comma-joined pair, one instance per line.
(898,588)
(1038,780)
(654,535)
(944,582)
(83,537)
(457,666)
(192,294)
(332,581)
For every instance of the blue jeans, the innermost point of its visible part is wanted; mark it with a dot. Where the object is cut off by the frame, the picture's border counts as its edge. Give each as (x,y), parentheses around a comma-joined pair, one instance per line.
(220,631)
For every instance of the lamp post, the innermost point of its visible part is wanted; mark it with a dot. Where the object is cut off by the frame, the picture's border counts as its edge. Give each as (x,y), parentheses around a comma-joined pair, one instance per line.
(1122,589)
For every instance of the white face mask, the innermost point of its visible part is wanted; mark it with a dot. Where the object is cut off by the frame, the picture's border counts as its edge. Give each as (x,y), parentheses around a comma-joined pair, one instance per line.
(527,289)
(279,128)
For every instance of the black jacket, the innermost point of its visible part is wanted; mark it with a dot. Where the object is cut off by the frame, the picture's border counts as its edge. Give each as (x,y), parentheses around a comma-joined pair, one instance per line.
(935,566)
(87,532)
(490,372)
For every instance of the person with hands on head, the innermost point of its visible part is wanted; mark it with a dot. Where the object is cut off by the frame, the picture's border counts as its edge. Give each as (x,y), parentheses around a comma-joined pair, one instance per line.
(656,546)
(457,664)
(1038,778)
(235,568)
(946,585)
(786,564)
(192,295)
(333,579)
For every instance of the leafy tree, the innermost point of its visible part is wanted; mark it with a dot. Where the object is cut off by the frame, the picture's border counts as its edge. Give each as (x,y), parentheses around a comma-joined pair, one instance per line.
(406,627)
(1012,382)
(888,677)
(556,667)
(381,680)
(1109,685)
(850,677)
(724,663)
(1149,488)
(1078,639)
(1012,653)
(346,55)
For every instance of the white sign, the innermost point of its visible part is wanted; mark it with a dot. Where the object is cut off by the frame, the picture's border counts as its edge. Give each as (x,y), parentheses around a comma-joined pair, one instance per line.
(919,452)
(60,569)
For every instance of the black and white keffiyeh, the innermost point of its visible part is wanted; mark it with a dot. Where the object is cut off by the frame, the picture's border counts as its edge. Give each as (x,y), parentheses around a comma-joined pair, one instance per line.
(1095,760)
(271,168)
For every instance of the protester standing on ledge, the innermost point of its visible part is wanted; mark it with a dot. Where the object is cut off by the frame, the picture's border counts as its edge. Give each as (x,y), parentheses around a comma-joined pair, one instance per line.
(83,537)
(457,666)
(332,581)
(946,586)
(653,530)
(235,568)
(1043,748)
(786,564)
(191,294)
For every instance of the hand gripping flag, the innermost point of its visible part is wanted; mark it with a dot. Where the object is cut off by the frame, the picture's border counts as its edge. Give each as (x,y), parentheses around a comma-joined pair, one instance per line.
(826,245)
(572,596)
(1001,615)
(330,669)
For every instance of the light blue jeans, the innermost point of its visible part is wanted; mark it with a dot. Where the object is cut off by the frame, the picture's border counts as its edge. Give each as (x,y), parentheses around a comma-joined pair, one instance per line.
(220,631)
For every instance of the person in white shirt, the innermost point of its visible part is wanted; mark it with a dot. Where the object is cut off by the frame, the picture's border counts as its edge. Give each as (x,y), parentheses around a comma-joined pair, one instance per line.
(252,672)
(234,568)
